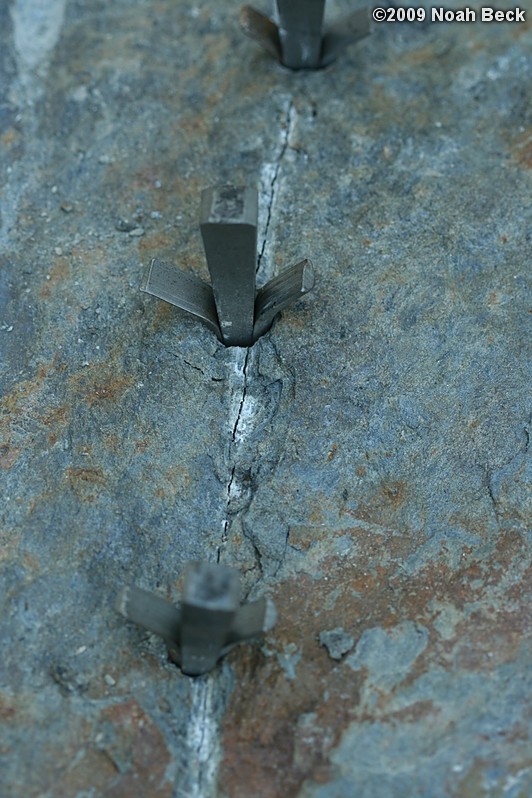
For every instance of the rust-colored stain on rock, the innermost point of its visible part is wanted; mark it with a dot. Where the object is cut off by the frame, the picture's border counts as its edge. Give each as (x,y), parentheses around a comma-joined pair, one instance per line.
(269,750)
(383,505)
(110,388)
(521,148)
(22,395)
(8,455)
(125,756)
(137,748)
(86,483)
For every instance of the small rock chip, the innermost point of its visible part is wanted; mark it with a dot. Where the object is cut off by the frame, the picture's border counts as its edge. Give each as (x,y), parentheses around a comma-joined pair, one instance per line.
(67,678)
(137,232)
(337,642)
(108,679)
(66,207)
(124,225)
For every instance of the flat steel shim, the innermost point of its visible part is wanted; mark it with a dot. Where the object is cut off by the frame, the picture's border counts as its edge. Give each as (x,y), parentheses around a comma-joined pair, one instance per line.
(281,292)
(151,612)
(182,290)
(261,28)
(300,32)
(249,621)
(343,33)
(228,222)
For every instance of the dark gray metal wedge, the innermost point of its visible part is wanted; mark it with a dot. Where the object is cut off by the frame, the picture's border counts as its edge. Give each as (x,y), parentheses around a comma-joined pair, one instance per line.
(228,222)
(297,41)
(232,308)
(210,621)
(210,601)
(300,23)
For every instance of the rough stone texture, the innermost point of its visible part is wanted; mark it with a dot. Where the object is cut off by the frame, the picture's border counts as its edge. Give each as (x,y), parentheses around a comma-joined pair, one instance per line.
(366,463)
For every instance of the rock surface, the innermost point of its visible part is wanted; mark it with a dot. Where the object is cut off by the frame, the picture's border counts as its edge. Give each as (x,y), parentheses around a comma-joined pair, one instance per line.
(365,463)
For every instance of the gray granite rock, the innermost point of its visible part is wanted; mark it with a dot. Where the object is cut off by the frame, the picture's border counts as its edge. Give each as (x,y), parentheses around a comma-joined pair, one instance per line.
(366,463)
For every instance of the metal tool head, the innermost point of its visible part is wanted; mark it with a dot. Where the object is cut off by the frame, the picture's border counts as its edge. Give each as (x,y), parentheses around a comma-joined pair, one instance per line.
(228,222)
(297,41)
(209,622)
(231,308)
(300,24)
(210,600)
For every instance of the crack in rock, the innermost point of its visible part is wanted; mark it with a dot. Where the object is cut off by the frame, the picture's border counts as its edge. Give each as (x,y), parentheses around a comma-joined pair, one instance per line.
(254,400)
(269,183)
(207,705)
(203,742)
(253,451)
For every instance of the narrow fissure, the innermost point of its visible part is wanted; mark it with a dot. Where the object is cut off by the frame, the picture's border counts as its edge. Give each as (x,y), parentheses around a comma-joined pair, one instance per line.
(205,773)
(272,191)
(284,147)
(232,478)
(202,742)
(489,487)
